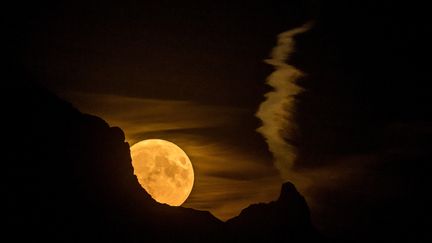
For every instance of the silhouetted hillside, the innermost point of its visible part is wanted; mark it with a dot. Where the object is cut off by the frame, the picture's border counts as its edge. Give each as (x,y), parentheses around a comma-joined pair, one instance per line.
(286,219)
(69,178)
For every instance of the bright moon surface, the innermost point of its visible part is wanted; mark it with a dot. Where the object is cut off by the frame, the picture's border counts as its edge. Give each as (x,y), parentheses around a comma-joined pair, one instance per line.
(164,170)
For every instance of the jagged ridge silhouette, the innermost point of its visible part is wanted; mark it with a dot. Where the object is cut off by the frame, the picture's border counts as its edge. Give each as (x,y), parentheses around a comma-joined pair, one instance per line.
(69,179)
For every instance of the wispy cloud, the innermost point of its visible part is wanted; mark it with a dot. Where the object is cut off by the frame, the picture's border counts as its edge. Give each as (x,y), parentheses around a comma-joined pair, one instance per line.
(225,198)
(276,111)
(138,116)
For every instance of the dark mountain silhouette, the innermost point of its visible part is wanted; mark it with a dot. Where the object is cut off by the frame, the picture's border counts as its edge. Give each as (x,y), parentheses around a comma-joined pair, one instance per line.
(286,219)
(69,178)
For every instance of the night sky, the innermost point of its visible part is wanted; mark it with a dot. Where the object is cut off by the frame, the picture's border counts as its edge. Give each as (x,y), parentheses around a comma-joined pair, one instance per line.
(195,74)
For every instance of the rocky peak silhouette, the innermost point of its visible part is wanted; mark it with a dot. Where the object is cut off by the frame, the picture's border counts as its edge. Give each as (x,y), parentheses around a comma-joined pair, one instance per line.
(286,219)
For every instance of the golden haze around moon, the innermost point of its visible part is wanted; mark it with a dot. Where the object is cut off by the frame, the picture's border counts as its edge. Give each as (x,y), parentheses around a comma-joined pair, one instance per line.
(164,170)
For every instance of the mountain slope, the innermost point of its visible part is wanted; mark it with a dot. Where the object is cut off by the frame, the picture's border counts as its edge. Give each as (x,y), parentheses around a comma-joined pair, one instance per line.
(69,178)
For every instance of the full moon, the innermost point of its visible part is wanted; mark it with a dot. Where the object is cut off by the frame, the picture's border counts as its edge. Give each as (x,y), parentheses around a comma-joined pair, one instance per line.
(164,170)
